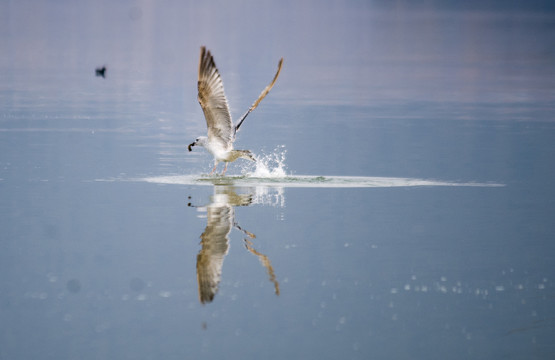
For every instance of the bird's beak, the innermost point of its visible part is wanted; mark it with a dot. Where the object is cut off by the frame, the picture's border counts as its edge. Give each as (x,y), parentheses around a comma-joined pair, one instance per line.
(190,147)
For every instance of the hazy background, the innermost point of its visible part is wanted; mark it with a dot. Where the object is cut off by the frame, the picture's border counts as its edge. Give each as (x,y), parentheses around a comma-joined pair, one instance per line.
(96,263)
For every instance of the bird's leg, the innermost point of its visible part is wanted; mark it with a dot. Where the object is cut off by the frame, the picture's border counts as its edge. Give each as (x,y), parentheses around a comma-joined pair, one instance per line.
(214,169)
(225,168)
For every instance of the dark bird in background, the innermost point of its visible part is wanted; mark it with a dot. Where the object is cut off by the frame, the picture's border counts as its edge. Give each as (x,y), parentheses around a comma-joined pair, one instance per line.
(101,71)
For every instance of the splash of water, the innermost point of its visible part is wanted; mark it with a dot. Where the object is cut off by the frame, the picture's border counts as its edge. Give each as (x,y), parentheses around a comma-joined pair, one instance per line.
(268,165)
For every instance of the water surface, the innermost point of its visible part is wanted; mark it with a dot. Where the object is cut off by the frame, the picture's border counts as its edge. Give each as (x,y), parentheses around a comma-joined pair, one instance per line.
(407,211)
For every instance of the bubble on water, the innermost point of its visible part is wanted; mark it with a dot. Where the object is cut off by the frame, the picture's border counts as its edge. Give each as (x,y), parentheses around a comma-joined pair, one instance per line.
(165,294)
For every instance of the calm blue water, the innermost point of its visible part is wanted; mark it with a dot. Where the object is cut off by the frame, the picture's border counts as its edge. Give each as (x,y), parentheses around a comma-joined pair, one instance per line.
(107,252)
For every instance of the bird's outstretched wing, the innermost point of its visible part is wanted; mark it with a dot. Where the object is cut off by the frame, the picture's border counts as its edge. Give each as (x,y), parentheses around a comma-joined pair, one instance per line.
(260,97)
(211,97)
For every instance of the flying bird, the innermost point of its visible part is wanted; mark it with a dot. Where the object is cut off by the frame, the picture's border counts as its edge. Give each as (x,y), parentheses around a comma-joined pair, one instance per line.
(221,131)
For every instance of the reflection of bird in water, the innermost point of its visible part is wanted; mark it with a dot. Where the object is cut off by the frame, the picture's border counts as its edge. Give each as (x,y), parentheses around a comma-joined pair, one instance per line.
(215,241)
(221,131)
(101,71)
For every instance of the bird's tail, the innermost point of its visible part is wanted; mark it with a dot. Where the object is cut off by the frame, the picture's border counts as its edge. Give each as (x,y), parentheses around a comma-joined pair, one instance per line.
(245,154)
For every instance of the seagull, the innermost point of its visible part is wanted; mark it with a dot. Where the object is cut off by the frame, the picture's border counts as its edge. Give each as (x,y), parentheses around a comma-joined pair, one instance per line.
(221,131)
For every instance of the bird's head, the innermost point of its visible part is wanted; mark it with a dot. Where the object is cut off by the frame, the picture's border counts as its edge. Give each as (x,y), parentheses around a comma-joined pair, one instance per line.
(200,141)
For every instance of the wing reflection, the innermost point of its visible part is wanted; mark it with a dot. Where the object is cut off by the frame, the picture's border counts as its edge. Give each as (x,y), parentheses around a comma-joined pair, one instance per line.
(220,217)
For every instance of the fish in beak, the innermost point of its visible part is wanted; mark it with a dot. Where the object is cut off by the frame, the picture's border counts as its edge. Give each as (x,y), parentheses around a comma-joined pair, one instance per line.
(190,147)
